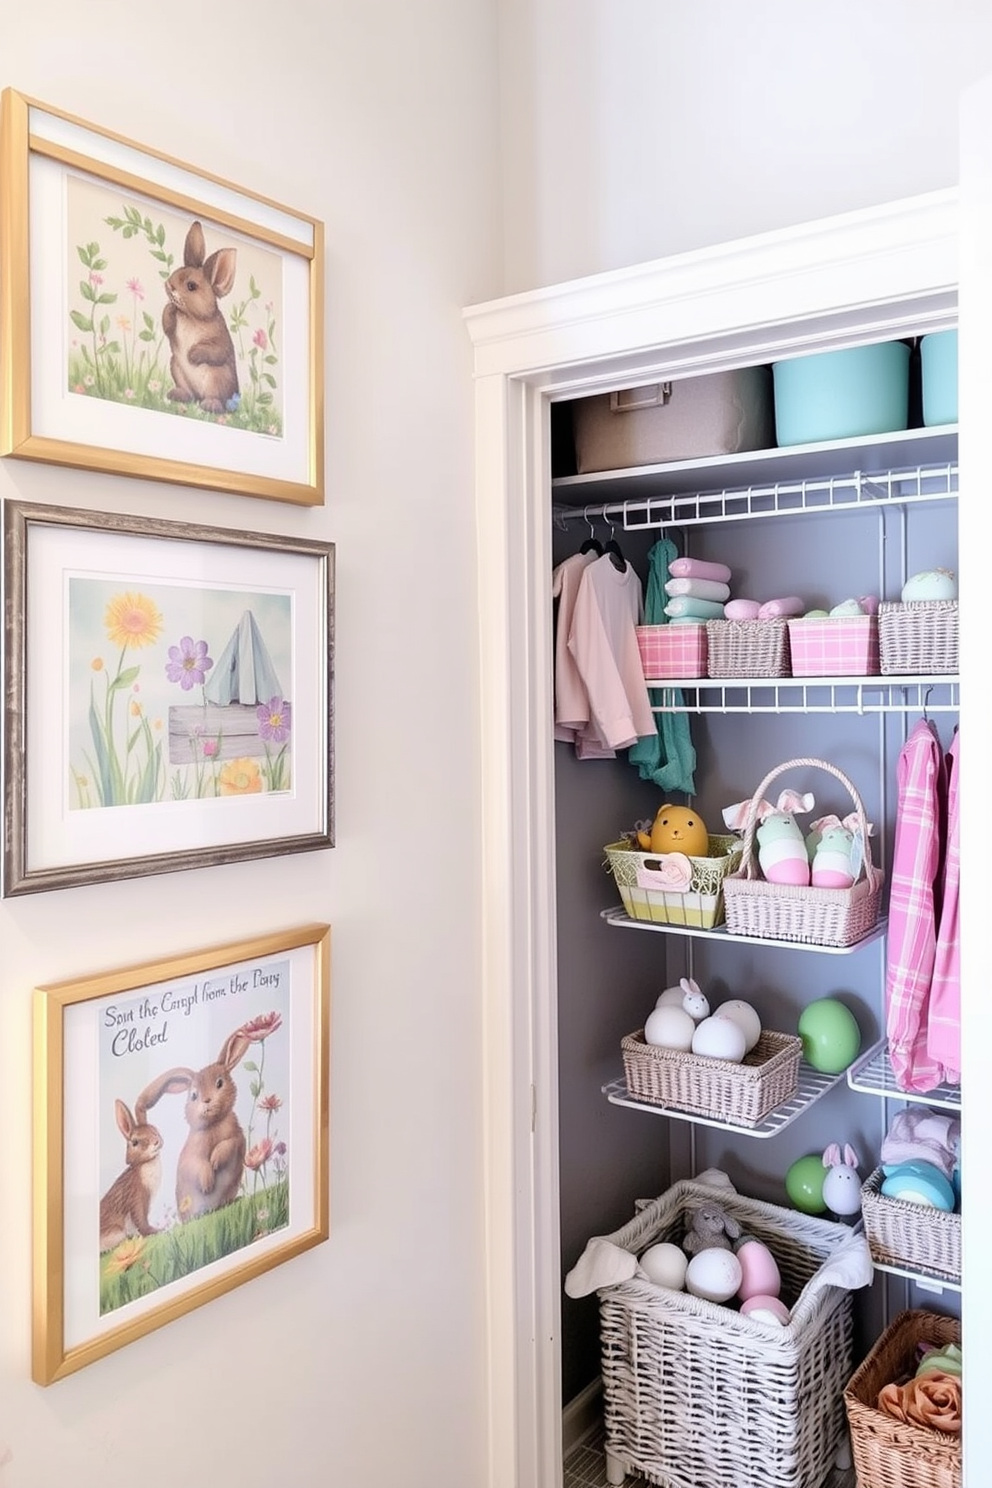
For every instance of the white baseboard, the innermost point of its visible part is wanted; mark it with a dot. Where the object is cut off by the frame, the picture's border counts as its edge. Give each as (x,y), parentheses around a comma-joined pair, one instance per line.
(582,1416)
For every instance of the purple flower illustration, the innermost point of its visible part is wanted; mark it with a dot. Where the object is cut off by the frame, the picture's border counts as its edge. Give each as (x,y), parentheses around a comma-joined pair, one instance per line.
(274,720)
(188,663)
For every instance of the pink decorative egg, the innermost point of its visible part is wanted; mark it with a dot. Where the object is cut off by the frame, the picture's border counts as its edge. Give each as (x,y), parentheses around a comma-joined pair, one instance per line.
(759,1272)
(767,1310)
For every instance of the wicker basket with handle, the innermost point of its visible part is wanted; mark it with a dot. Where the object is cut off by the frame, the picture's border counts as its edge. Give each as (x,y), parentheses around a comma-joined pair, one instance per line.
(812,916)
(894,1454)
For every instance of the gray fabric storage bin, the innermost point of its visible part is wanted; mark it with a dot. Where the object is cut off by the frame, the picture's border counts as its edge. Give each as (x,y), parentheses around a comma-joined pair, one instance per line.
(685,419)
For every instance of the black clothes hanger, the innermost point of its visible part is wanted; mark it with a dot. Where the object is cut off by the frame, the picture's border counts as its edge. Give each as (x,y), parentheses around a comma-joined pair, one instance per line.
(592,543)
(613,549)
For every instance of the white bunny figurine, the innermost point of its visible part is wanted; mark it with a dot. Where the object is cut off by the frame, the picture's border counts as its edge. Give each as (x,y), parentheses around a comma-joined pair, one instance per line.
(694,1001)
(842,1185)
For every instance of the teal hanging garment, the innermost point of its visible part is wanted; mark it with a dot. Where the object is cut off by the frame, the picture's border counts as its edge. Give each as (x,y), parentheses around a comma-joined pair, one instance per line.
(666,757)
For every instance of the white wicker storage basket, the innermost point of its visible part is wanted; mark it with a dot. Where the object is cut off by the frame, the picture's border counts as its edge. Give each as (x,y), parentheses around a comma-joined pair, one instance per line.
(920,638)
(914,1237)
(813,916)
(748,648)
(741,1093)
(696,1395)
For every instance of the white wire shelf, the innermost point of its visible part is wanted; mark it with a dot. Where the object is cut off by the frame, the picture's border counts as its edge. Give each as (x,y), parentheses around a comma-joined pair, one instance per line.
(872,1075)
(864,695)
(619,919)
(925,1280)
(812,1085)
(916,465)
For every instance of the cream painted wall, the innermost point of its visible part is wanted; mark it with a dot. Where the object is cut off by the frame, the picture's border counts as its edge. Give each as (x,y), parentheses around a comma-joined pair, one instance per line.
(362,1361)
(638,128)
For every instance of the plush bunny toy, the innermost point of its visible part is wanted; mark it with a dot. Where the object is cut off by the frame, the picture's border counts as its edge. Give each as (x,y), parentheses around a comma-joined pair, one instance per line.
(711,1228)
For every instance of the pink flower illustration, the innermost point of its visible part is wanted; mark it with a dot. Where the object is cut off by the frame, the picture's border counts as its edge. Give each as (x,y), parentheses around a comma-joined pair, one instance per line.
(257,1029)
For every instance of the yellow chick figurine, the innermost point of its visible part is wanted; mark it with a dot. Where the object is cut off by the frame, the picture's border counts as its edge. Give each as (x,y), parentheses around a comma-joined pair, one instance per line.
(676,829)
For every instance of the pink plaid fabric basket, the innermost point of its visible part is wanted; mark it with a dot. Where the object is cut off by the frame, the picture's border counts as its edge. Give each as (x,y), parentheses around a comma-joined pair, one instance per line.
(846,646)
(672,650)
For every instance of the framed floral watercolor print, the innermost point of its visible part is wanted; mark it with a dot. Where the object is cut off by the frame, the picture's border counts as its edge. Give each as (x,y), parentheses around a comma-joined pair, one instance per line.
(169,696)
(181,1117)
(154,320)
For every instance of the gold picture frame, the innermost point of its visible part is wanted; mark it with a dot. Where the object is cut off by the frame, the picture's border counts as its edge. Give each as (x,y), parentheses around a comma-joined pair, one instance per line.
(155,320)
(128,1234)
(183,719)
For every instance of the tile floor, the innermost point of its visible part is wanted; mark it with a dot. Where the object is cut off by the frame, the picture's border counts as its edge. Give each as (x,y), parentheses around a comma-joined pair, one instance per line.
(585,1467)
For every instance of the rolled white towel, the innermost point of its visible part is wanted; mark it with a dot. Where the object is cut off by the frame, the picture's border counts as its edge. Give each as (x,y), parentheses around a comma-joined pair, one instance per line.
(697,589)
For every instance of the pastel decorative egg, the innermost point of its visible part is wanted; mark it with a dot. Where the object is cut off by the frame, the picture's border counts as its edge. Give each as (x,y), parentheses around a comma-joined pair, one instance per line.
(771,1310)
(830,1035)
(665,1264)
(713,1274)
(933,583)
(760,1276)
(846,607)
(671,997)
(720,1038)
(804,1184)
(743,1014)
(670,1028)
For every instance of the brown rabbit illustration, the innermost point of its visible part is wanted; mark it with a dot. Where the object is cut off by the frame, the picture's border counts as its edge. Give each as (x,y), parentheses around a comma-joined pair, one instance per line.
(212,1160)
(125,1206)
(204,365)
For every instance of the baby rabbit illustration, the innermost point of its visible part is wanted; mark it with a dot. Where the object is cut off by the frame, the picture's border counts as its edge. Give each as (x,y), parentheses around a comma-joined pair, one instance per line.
(204,365)
(125,1206)
(212,1160)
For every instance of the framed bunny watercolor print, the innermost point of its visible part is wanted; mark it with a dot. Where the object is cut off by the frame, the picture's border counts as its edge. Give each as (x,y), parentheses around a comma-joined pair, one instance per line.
(181,1117)
(155,321)
(169,696)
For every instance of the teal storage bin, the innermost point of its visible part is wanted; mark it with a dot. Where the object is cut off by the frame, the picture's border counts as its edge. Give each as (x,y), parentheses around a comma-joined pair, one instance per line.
(939,361)
(842,394)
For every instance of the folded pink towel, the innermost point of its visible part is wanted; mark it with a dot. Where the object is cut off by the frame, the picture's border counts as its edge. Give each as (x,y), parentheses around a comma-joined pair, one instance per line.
(741,609)
(697,589)
(774,609)
(695,568)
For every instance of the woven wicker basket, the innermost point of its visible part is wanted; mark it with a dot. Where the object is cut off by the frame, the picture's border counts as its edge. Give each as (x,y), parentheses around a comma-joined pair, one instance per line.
(645,898)
(741,1093)
(697,1394)
(747,648)
(813,916)
(920,638)
(889,1453)
(913,1236)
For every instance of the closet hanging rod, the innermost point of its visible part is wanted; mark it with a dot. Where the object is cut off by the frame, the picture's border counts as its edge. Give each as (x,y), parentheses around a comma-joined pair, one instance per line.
(780,498)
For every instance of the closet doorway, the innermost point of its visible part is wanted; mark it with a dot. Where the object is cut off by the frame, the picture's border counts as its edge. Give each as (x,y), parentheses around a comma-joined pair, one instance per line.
(873,275)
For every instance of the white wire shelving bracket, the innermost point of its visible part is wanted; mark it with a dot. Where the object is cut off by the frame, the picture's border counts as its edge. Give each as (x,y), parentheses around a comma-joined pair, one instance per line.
(855,492)
(812,1085)
(619,919)
(861,695)
(872,1074)
(925,1280)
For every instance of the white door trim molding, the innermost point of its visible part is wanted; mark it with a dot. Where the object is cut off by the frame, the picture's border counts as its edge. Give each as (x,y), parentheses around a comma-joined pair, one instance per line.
(863,276)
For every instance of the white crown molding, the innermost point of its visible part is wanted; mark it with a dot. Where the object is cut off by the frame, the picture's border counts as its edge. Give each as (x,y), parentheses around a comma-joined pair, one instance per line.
(887,253)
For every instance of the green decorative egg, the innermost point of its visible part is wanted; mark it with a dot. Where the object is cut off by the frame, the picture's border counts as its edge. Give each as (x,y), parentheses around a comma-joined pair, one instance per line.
(804,1184)
(830,1035)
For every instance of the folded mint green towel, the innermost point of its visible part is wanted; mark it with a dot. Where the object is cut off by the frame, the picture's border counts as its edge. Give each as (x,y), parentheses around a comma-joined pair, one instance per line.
(683,606)
(667,756)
